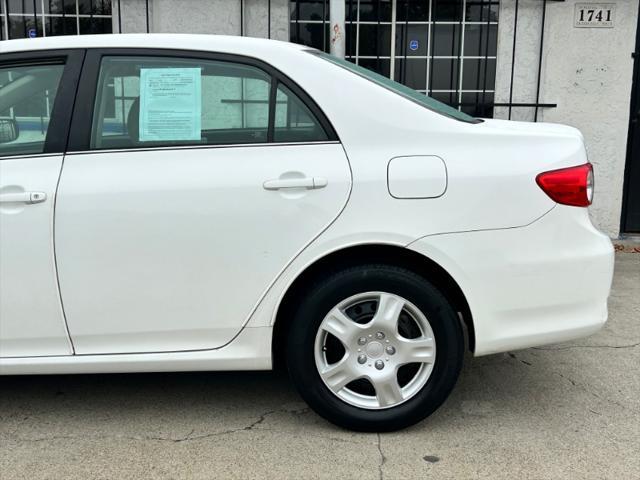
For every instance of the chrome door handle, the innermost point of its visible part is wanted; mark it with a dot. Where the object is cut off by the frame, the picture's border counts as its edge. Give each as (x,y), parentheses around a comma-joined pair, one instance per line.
(23,197)
(309,183)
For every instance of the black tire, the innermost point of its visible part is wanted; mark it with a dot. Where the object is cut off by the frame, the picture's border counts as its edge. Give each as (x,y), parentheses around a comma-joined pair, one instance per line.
(325,294)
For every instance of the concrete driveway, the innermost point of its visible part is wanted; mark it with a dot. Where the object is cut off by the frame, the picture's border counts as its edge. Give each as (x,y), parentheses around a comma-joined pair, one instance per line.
(562,411)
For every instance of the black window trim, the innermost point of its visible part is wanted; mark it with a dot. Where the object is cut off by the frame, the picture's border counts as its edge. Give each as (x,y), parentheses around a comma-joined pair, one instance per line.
(61,113)
(81,123)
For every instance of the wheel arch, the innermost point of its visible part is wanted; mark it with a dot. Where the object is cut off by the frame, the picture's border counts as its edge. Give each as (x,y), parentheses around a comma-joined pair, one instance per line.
(358,255)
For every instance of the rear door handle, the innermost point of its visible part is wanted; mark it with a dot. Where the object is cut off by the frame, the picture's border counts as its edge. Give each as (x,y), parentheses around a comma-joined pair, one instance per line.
(309,183)
(23,197)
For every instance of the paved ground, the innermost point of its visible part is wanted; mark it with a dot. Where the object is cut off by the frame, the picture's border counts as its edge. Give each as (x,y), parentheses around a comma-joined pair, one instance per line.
(563,411)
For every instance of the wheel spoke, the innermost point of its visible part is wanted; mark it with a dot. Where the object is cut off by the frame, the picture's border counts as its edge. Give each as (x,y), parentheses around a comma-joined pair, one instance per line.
(388,390)
(338,324)
(388,312)
(338,375)
(420,350)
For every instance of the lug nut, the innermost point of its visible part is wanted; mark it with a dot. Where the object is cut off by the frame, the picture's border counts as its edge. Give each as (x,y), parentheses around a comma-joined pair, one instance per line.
(390,349)
(379,364)
(380,335)
(362,358)
(362,341)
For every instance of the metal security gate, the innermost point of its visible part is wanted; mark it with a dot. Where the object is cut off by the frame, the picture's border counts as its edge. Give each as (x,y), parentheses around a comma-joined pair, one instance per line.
(47,18)
(444,48)
(631,192)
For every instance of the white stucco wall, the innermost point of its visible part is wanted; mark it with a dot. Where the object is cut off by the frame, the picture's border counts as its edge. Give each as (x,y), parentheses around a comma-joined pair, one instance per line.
(221,17)
(526,57)
(588,73)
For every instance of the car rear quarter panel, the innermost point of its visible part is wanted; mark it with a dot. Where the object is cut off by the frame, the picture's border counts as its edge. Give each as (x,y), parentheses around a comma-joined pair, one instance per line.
(544,283)
(491,168)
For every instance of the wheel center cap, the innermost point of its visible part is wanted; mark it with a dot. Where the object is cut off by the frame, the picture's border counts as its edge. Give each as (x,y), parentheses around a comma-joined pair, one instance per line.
(374,349)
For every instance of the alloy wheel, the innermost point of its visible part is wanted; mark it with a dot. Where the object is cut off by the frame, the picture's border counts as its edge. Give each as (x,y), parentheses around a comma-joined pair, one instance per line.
(375,350)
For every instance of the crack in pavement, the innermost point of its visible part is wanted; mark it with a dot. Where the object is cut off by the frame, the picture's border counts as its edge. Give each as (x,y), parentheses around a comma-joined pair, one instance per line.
(513,355)
(383,459)
(190,436)
(585,389)
(168,439)
(572,381)
(549,349)
(262,417)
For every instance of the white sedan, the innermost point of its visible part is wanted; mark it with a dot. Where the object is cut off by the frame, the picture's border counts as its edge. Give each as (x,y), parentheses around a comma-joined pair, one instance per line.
(175,202)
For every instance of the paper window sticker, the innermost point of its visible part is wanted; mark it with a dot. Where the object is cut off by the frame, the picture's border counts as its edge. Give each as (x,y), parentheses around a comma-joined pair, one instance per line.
(170,104)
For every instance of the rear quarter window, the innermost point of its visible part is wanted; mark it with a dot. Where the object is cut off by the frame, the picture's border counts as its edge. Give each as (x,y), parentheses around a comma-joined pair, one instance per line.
(399,89)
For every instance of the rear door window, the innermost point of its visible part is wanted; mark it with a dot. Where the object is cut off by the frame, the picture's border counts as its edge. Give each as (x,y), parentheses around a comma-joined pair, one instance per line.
(399,89)
(294,122)
(147,101)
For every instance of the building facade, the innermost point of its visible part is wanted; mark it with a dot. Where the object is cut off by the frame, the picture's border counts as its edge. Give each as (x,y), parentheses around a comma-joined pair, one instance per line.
(570,62)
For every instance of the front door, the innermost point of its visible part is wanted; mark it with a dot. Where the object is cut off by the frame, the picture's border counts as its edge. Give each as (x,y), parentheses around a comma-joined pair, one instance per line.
(631,199)
(201,180)
(36,94)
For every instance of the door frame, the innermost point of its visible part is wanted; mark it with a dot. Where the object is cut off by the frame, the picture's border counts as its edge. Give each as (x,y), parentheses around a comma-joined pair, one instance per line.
(72,59)
(634,105)
(81,123)
(47,164)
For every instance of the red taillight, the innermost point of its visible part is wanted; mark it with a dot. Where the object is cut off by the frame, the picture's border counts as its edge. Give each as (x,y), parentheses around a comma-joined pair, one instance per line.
(569,186)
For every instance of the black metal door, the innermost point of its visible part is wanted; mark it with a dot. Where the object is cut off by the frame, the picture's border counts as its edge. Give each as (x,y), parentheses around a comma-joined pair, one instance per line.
(631,199)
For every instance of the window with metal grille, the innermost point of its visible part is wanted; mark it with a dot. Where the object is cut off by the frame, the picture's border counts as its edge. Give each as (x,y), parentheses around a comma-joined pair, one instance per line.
(46,18)
(443,48)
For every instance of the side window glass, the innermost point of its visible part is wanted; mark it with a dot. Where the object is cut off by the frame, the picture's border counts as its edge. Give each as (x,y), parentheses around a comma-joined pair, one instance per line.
(156,101)
(27,96)
(294,122)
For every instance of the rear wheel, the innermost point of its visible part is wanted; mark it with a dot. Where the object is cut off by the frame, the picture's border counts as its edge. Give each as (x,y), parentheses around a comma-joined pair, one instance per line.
(374,348)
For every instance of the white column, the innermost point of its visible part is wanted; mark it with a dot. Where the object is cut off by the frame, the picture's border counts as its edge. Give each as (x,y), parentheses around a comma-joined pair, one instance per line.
(392,67)
(336,28)
(527,50)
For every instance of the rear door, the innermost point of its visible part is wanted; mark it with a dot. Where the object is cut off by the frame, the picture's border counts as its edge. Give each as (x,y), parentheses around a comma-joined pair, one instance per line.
(194,179)
(36,98)
(631,192)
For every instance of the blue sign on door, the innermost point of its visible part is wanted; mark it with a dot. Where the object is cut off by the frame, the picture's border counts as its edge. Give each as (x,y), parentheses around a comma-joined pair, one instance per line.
(413,45)
(32,33)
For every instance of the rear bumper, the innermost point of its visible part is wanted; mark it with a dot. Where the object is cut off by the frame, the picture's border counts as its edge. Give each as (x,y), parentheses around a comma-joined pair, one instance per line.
(544,283)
